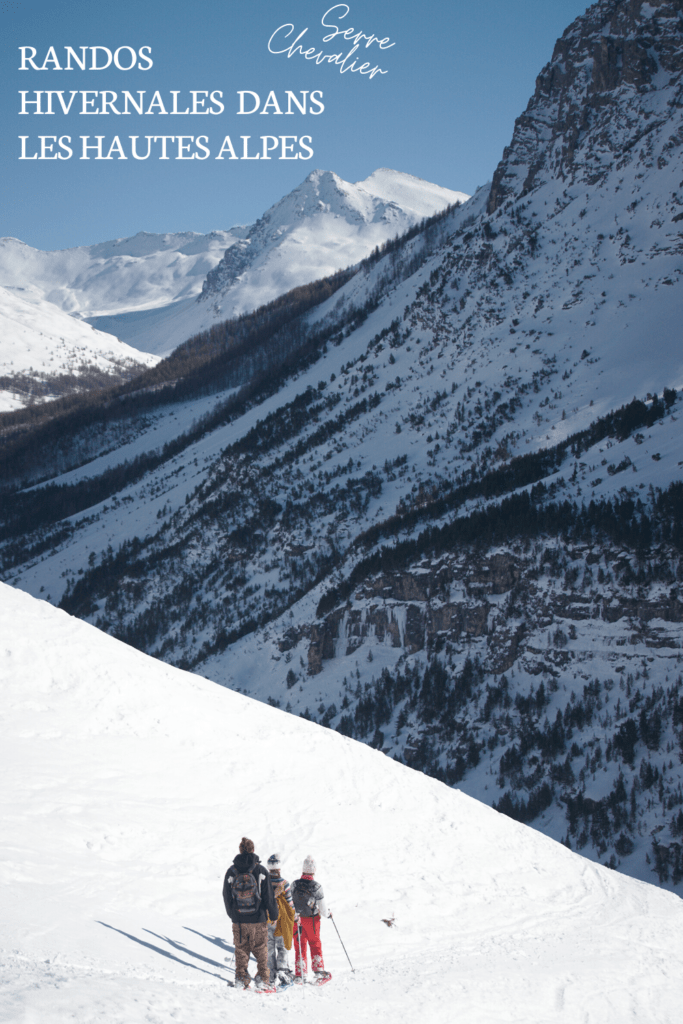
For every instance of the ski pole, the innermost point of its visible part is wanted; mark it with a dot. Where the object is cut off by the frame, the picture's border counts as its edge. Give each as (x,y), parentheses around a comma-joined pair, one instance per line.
(300,965)
(343,946)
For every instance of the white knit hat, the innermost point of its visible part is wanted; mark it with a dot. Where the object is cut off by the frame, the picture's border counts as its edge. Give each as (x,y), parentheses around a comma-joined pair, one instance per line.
(309,866)
(274,862)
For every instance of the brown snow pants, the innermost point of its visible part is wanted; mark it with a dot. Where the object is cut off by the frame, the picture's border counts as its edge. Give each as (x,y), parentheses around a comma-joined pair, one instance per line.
(251,938)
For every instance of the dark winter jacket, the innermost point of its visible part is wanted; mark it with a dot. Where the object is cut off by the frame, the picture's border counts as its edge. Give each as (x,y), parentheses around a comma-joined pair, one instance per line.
(309,898)
(249,862)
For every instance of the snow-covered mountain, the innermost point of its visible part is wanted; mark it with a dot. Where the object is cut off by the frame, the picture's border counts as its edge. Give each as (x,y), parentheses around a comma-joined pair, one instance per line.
(47,353)
(155,291)
(429,512)
(324,225)
(129,785)
(141,272)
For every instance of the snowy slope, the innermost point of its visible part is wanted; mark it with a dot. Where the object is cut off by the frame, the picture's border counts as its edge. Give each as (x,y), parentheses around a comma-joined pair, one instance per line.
(323,225)
(130,785)
(416,197)
(71,285)
(39,344)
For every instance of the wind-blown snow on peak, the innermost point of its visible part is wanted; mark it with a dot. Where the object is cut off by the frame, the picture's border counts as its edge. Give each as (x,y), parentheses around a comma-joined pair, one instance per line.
(325,191)
(131,785)
(322,192)
(411,193)
(324,224)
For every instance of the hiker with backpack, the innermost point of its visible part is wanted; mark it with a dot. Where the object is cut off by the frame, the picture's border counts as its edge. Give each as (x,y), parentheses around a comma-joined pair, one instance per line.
(280,932)
(249,902)
(309,903)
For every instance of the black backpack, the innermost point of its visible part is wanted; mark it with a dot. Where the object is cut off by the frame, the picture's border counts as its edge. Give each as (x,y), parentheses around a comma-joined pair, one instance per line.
(245,893)
(303,898)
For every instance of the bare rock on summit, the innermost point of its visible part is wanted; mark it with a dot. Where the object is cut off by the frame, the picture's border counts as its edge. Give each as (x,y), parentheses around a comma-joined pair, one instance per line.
(595,101)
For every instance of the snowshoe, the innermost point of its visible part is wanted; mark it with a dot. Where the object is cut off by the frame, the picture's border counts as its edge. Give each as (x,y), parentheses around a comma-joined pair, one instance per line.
(242,982)
(320,978)
(265,987)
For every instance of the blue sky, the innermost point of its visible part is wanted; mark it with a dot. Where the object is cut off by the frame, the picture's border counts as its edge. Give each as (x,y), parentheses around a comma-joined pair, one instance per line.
(457,75)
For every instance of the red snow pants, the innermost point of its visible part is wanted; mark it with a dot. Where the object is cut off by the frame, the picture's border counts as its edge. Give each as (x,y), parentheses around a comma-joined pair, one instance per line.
(310,936)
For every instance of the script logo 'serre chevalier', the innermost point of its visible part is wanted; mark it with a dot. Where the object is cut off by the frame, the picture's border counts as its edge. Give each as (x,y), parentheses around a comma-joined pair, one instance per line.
(350,34)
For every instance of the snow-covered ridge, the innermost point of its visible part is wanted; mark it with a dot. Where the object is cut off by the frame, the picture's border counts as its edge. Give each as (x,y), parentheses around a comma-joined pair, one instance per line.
(131,785)
(335,222)
(323,225)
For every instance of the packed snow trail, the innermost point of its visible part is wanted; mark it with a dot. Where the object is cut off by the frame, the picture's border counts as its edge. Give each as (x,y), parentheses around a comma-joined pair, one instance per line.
(127,787)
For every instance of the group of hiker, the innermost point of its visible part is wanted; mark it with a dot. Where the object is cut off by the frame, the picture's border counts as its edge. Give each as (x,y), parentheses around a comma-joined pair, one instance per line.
(269,915)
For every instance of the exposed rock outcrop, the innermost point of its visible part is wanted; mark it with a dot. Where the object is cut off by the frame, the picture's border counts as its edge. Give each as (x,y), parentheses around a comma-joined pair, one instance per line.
(455,600)
(595,102)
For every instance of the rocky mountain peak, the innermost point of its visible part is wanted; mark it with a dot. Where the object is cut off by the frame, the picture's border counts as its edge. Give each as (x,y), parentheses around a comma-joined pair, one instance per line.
(615,75)
(335,222)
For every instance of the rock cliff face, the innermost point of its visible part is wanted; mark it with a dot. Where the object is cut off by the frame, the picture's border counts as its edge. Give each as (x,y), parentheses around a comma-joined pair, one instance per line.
(457,601)
(612,76)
